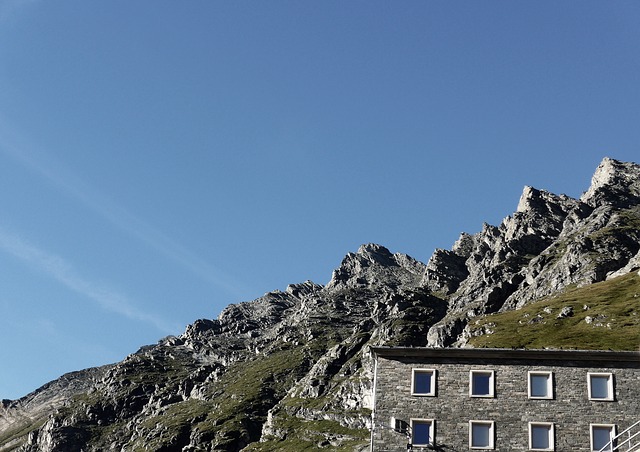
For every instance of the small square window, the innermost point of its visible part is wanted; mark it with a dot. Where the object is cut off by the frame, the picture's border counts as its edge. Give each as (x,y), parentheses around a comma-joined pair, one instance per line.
(399,426)
(481,383)
(540,385)
(422,432)
(600,386)
(602,436)
(423,382)
(541,436)
(481,434)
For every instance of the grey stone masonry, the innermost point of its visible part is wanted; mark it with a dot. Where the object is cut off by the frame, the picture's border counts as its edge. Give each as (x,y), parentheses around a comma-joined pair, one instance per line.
(570,410)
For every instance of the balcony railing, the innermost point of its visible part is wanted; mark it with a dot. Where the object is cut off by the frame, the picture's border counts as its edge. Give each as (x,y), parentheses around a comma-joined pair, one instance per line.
(628,440)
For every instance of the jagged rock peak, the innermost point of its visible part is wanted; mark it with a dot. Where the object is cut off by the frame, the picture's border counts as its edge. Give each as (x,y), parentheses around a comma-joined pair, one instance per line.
(371,265)
(366,255)
(464,245)
(376,253)
(539,215)
(533,199)
(614,182)
(303,289)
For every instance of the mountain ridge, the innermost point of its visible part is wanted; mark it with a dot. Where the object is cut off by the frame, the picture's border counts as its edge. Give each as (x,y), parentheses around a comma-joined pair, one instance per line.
(291,369)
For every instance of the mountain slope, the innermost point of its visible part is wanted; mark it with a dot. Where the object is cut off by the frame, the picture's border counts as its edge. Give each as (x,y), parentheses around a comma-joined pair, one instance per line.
(291,370)
(600,316)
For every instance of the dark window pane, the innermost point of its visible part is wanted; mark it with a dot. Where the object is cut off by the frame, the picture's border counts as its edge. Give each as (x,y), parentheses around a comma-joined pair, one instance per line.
(421,432)
(601,436)
(401,426)
(540,436)
(599,387)
(480,435)
(539,385)
(422,382)
(481,384)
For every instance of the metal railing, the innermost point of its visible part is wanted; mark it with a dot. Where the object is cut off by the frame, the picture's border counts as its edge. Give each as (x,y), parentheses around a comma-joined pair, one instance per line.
(632,440)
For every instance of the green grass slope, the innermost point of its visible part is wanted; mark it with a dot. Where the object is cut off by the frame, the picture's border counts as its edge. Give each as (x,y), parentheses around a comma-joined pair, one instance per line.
(605,316)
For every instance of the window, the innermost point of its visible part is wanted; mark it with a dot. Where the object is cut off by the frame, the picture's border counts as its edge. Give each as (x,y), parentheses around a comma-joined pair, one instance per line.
(541,436)
(399,426)
(481,434)
(540,385)
(422,432)
(601,436)
(423,382)
(481,383)
(600,386)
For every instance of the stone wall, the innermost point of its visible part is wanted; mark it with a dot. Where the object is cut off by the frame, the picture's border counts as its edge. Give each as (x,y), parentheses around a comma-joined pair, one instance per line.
(570,409)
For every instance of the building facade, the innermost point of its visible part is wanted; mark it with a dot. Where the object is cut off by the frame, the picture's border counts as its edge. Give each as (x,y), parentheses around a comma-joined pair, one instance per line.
(503,400)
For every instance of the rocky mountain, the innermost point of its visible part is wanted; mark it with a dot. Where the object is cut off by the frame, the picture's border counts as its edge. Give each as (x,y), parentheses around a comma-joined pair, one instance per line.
(291,370)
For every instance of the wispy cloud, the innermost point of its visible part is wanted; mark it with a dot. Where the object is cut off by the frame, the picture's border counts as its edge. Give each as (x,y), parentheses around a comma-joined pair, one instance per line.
(63,272)
(42,163)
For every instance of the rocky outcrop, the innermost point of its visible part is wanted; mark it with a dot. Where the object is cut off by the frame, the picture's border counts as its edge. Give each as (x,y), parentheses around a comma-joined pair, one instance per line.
(614,183)
(19,417)
(550,242)
(292,369)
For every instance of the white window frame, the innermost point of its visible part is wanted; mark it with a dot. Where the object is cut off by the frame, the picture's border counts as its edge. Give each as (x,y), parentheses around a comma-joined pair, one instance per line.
(492,435)
(549,376)
(492,383)
(398,425)
(609,376)
(432,431)
(433,382)
(612,434)
(552,434)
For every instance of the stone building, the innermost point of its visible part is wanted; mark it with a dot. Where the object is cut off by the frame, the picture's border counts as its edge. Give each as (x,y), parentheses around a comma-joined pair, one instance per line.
(504,400)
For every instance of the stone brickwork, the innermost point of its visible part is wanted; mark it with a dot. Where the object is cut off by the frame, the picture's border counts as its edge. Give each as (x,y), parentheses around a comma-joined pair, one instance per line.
(451,408)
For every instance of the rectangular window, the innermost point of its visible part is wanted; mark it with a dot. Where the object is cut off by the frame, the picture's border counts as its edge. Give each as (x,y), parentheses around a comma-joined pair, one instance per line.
(601,436)
(600,386)
(423,382)
(422,432)
(541,436)
(540,385)
(399,426)
(481,434)
(481,383)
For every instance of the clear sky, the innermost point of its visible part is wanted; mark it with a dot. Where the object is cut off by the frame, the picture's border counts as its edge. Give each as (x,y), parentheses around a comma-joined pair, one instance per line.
(160,160)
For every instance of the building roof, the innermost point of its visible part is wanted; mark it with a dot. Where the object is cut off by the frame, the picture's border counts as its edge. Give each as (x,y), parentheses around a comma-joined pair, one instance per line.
(500,354)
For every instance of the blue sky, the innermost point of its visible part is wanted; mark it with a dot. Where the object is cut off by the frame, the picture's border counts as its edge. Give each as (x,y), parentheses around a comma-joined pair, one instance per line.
(160,160)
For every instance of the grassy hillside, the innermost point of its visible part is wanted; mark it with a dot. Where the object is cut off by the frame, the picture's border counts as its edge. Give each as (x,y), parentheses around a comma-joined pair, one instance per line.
(604,316)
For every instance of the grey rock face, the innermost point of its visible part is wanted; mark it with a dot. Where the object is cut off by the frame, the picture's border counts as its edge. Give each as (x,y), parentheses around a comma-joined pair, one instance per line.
(549,243)
(273,370)
(374,266)
(614,183)
(226,383)
(445,271)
